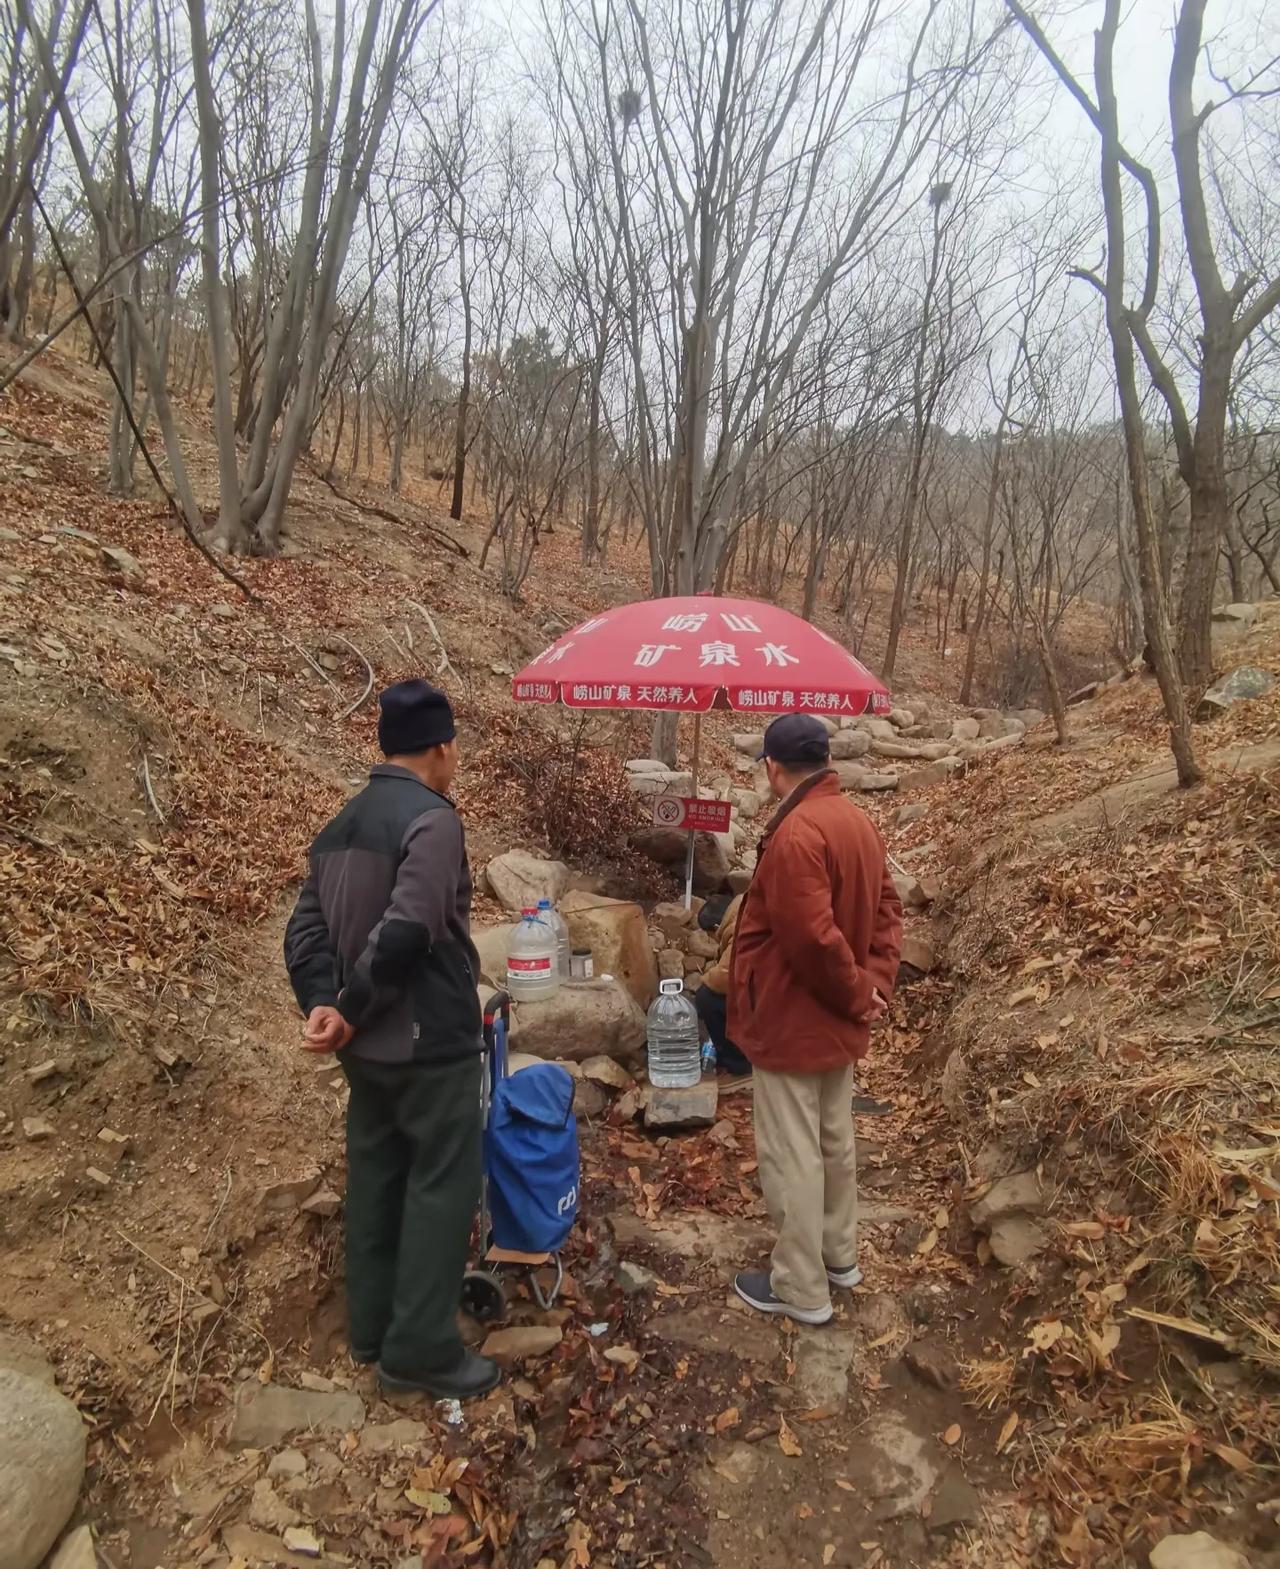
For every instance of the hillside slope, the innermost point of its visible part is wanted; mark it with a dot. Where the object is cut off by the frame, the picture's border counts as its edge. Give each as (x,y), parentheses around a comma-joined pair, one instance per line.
(1101,1014)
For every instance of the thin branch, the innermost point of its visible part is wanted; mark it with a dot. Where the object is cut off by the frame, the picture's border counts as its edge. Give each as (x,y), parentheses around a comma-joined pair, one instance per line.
(364,696)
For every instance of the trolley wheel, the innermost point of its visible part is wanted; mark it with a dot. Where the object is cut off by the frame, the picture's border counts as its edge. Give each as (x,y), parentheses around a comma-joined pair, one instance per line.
(482,1297)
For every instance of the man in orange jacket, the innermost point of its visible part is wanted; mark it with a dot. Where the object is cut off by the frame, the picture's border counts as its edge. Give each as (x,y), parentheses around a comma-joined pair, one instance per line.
(815,958)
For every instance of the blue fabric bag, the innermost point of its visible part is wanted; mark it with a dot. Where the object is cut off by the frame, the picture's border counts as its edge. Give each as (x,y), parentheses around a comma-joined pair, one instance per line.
(531,1155)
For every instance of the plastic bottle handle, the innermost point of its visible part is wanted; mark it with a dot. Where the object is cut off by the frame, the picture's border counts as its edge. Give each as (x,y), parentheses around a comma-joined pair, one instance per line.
(671,987)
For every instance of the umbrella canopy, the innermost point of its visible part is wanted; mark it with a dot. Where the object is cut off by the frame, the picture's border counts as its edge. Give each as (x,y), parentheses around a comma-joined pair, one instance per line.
(693,654)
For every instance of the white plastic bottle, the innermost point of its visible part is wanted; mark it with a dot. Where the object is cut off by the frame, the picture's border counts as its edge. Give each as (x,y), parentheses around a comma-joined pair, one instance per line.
(533,960)
(547,912)
(675,1039)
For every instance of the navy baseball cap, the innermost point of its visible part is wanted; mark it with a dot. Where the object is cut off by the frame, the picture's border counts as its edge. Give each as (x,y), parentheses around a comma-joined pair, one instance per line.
(796,738)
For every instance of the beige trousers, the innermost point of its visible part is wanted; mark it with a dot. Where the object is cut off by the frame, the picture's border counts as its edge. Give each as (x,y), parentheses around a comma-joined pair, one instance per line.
(809,1173)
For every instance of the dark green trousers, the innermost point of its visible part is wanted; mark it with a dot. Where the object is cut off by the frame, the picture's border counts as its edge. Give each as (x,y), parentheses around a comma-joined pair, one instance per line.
(413,1185)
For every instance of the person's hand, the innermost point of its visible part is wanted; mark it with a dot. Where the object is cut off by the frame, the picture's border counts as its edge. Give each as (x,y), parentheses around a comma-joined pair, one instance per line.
(879,1007)
(326,1030)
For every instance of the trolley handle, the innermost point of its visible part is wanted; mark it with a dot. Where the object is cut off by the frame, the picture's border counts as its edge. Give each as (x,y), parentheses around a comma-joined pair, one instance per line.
(497,1029)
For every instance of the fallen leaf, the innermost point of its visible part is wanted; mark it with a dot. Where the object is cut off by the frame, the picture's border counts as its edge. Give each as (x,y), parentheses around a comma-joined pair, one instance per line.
(928,1242)
(1007,1431)
(433,1503)
(1044,1335)
(727,1419)
(845,1487)
(1235,1458)
(804,1512)
(625,1356)
(787,1440)
(578,1541)
(882,1340)
(1091,1230)
(942,1219)
(828,1552)
(953,1434)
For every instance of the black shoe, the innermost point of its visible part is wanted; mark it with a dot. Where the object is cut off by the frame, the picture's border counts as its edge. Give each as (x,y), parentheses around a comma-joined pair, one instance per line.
(755,1290)
(472,1376)
(365,1358)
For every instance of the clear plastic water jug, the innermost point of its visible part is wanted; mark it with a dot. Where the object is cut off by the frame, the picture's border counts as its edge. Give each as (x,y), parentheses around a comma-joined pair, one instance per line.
(533,960)
(564,953)
(675,1039)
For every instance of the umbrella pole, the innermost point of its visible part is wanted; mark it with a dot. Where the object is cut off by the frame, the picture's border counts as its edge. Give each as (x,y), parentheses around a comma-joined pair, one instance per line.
(688,864)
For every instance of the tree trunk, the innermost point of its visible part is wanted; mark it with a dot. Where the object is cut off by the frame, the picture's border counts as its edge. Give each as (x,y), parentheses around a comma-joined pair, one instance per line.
(464,389)
(1154,606)
(1208,514)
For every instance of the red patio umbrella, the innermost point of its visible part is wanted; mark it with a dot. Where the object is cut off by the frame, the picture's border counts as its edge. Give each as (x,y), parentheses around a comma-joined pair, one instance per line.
(693,654)
(700,653)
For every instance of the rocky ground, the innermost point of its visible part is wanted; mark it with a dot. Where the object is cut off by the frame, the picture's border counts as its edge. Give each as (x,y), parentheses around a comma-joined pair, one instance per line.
(1067,1347)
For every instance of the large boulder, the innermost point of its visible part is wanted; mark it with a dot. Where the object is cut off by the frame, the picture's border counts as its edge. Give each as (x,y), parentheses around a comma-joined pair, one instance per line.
(519,879)
(996,726)
(849,744)
(42,1447)
(616,933)
(854,776)
(873,725)
(928,751)
(669,847)
(668,781)
(749,743)
(584,1019)
(748,803)
(966,729)
(1242,684)
(927,778)
(1233,620)
(493,944)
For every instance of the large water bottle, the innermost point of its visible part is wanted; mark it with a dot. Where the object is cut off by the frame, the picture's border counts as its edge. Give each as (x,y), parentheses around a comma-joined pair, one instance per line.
(533,960)
(675,1039)
(548,913)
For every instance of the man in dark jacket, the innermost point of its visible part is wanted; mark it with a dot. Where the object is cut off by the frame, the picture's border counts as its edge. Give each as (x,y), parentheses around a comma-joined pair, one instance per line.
(380,956)
(815,957)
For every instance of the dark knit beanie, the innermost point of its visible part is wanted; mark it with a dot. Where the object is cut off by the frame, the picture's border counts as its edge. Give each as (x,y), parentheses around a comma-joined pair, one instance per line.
(414,716)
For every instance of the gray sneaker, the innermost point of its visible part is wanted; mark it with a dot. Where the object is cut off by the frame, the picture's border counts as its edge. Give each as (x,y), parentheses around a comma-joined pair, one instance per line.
(755,1290)
(848,1277)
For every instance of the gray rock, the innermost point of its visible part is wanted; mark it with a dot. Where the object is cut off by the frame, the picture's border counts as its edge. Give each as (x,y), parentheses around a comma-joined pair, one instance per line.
(927,751)
(604,1070)
(522,1340)
(995,726)
(748,803)
(267,1510)
(669,847)
(493,944)
(915,893)
(75,1551)
(671,1110)
(42,1447)
(847,745)
(1237,619)
(822,1359)
(646,765)
(1015,1240)
(749,743)
(119,560)
(634,1279)
(20,1354)
(853,776)
(590,1100)
(323,1202)
(1199,1550)
(911,813)
(739,880)
(583,1019)
(281,1197)
(873,725)
(966,729)
(291,1463)
(383,1438)
(955,1502)
(902,1471)
(1030,717)
(901,718)
(1241,685)
(932,1363)
(265,1414)
(1019,1194)
(670,781)
(917,954)
(1084,694)
(929,778)
(519,879)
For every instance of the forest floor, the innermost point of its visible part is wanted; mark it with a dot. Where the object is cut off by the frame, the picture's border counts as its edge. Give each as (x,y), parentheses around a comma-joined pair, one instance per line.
(1104,1014)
